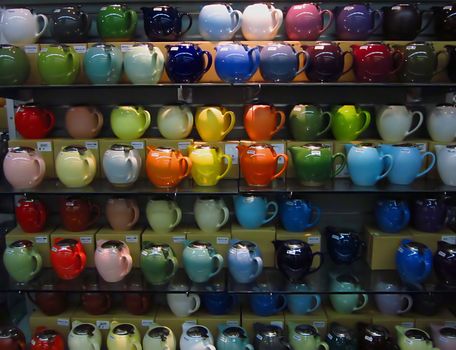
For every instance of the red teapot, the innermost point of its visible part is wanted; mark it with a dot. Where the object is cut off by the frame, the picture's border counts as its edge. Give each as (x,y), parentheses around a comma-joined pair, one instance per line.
(12,338)
(375,62)
(47,339)
(31,215)
(68,258)
(33,122)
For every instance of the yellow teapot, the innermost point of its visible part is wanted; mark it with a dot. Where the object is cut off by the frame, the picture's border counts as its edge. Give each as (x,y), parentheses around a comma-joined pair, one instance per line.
(214,123)
(207,164)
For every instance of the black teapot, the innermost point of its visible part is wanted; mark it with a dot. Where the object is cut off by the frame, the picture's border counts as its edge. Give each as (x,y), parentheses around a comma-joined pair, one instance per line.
(403,21)
(269,337)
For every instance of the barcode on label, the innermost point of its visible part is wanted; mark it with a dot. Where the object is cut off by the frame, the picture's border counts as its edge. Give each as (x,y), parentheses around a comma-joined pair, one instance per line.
(125,47)
(41,240)
(449,239)
(102,324)
(91,144)
(131,238)
(178,239)
(174,48)
(315,153)
(232,151)
(137,144)
(86,240)
(314,240)
(63,322)
(408,324)
(44,146)
(183,145)
(319,324)
(147,323)
(44,49)
(80,48)
(223,240)
(31,48)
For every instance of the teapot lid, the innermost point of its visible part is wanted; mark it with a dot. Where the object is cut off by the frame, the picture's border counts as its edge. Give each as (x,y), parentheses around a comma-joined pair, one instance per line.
(448,332)
(200,244)
(104,45)
(347,278)
(235,332)
(205,147)
(405,144)
(10,332)
(23,243)
(158,246)
(198,332)
(165,149)
(417,246)
(67,242)
(159,332)
(121,147)
(451,146)
(75,148)
(366,144)
(113,244)
(377,331)
(314,145)
(84,329)
(417,334)
(294,243)
(47,335)
(306,330)
(22,149)
(245,245)
(261,145)
(271,331)
(124,329)
(341,332)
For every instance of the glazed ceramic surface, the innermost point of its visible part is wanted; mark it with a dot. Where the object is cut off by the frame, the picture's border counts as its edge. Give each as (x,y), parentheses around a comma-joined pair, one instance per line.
(21,27)
(394,122)
(22,261)
(208,164)
(165,23)
(58,65)
(349,122)
(175,121)
(261,21)
(84,336)
(444,337)
(219,22)
(12,338)
(201,261)
(23,167)
(34,122)
(166,167)
(236,63)
(144,64)
(163,215)
(357,21)
(446,163)
(214,123)
(413,339)
(186,63)
(445,21)
(404,21)
(129,122)
(68,258)
(159,337)
(344,245)
(341,338)
(83,122)
(308,122)
(266,304)
(413,262)
(196,337)
(47,339)
(302,304)
(116,23)
(441,123)
(232,338)
(244,261)
(122,165)
(103,64)
(122,213)
(347,303)
(429,214)
(78,214)
(75,166)
(305,337)
(31,214)
(113,260)
(445,262)
(262,122)
(306,22)
(70,24)
(392,303)
(123,336)
(158,263)
(392,215)
(269,337)
(252,211)
(14,65)
(182,304)
(211,213)
(298,215)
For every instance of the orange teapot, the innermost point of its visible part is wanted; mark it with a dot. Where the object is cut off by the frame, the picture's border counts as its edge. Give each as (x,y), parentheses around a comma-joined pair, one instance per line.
(259,163)
(166,167)
(262,122)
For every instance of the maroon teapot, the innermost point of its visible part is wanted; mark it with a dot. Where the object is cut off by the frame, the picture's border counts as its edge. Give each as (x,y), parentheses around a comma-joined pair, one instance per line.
(137,303)
(95,303)
(12,338)
(50,302)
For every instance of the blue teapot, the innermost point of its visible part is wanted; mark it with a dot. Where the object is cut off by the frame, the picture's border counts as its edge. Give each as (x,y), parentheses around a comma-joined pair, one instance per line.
(366,164)
(252,211)
(236,63)
(218,302)
(244,261)
(279,63)
(392,215)
(344,245)
(413,262)
(264,303)
(296,214)
(186,63)
(302,302)
(103,64)
(219,22)
(407,162)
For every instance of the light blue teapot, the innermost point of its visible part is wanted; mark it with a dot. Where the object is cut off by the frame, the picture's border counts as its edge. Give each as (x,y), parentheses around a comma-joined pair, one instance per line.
(407,162)
(302,302)
(236,63)
(244,261)
(232,338)
(201,261)
(103,64)
(219,22)
(366,164)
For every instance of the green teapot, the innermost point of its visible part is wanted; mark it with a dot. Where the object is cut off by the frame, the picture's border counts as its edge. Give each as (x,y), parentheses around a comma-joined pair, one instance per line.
(305,337)
(413,339)
(116,23)
(22,261)
(14,65)
(158,262)
(58,65)
(314,163)
(129,122)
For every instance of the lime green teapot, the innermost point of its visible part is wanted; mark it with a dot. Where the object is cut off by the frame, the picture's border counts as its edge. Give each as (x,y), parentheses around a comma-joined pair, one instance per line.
(413,339)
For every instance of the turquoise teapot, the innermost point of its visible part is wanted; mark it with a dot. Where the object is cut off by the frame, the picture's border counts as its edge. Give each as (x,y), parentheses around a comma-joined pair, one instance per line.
(103,64)
(232,338)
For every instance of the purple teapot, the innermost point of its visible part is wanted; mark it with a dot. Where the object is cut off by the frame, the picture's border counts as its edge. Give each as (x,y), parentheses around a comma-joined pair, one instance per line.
(186,63)
(444,337)
(357,21)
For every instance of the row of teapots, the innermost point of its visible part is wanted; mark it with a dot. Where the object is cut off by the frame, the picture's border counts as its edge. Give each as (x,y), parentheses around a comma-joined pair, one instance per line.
(144,63)
(219,22)
(314,164)
(261,122)
(194,336)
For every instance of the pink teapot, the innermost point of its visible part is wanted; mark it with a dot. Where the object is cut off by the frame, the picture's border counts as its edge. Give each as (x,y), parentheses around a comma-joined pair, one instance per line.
(113,260)
(444,337)
(23,167)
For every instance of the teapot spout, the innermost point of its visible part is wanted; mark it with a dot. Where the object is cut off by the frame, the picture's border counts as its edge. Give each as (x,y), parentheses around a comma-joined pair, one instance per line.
(242,149)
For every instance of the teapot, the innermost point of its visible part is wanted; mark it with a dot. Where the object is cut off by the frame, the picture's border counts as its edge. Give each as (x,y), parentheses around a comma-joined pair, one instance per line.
(413,261)
(144,64)
(135,301)
(445,263)
(269,337)
(58,65)
(341,338)
(208,166)
(261,21)
(352,298)
(47,339)
(201,261)
(68,258)
(232,338)
(344,245)
(34,122)
(20,26)
(175,121)
(83,122)
(259,163)
(113,260)
(12,338)
(122,164)
(31,214)
(93,301)
(392,215)
(212,122)
(70,24)
(186,64)
(103,64)
(446,163)
(75,166)
(123,336)
(236,63)
(23,167)
(403,21)
(129,122)
(444,337)
(122,213)
(15,65)
(294,258)
(303,336)
(244,261)
(374,337)
(159,337)
(413,339)
(158,263)
(196,337)
(22,261)
(49,301)
(441,123)
(218,22)
(444,24)
(84,336)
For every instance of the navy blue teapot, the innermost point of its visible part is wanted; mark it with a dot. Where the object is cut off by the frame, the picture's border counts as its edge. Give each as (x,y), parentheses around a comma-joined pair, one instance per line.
(279,63)
(236,63)
(392,215)
(186,63)
(413,262)
(296,214)
(164,22)
(344,245)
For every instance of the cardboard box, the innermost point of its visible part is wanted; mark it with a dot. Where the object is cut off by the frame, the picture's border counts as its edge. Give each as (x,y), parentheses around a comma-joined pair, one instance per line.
(61,323)
(3,119)
(131,238)
(165,317)
(92,145)
(290,169)
(229,148)
(175,239)
(181,145)
(262,237)
(102,322)
(443,317)
(219,240)
(348,320)
(32,51)
(339,147)
(280,148)
(45,147)
(249,318)
(391,321)
(212,321)
(41,242)
(431,238)
(381,247)
(312,237)
(138,144)
(318,319)
(87,239)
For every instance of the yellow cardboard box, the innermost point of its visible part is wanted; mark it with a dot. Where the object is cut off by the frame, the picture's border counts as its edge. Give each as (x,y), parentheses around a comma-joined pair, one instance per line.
(61,323)
(175,239)
(87,239)
(249,319)
(431,238)
(41,242)
(279,146)
(45,147)
(131,238)
(92,145)
(262,237)
(311,237)
(381,247)
(318,319)
(219,240)
(290,169)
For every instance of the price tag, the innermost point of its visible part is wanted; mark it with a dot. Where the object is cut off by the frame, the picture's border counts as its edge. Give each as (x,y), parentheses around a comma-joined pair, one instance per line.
(183,145)
(174,48)
(125,47)
(147,323)
(91,144)
(314,240)
(44,49)
(277,323)
(80,48)
(272,48)
(63,322)
(319,324)
(279,148)
(131,238)
(102,324)
(41,240)
(231,150)
(137,144)
(422,147)
(31,48)
(86,240)
(178,239)
(223,49)
(223,240)
(44,146)
(232,323)
(315,153)
(449,239)
(319,47)
(408,324)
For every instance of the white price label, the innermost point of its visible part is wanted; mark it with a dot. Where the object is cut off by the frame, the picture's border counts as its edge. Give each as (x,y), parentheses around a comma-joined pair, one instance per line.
(178,239)
(31,48)
(80,48)
(41,240)
(408,324)
(422,147)
(319,47)
(279,148)
(86,240)
(232,151)
(44,49)
(232,323)
(449,239)
(101,324)
(272,48)
(336,237)
(131,238)
(223,49)
(314,240)
(174,48)
(44,146)
(183,145)
(137,144)
(442,254)
(125,47)
(315,153)
(147,323)
(91,144)
(223,240)
(63,322)
(319,324)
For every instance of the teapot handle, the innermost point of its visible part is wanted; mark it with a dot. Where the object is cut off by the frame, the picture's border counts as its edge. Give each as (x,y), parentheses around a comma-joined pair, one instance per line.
(237,16)
(175,264)
(330,20)
(94,344)
(439,53)
(317,303)
(188,166)
(39,263)
(379,15)
(315,269)
(41,167)
(350,66)
(317,216)
(133,164)
(86,20)
(428,169)
(409,304)
(190,22)
(45,24)
(286,344)
(232,122)
(99,121)
(323,346)
(307,60)
(228,167)
(137,345)
(390,165)
(178,217)
(329,114)
(209,61)
(398,56)
(210,347)
(281,123)
(51,120)
(133,16)
(363,304)
(147,121)
(226,216)
(219,259)
(259,269)
(430,16)
(420,121)
(342,164)
(128,263)
(135,216)
(367,120)
(274,214)
(248,347)
(197,300)
(284,167)
(284,304)
(278,16)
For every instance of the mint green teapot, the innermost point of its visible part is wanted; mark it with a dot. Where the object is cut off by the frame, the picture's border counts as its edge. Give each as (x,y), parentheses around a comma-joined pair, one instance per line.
(232,338)
(305,337)
(413,339)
